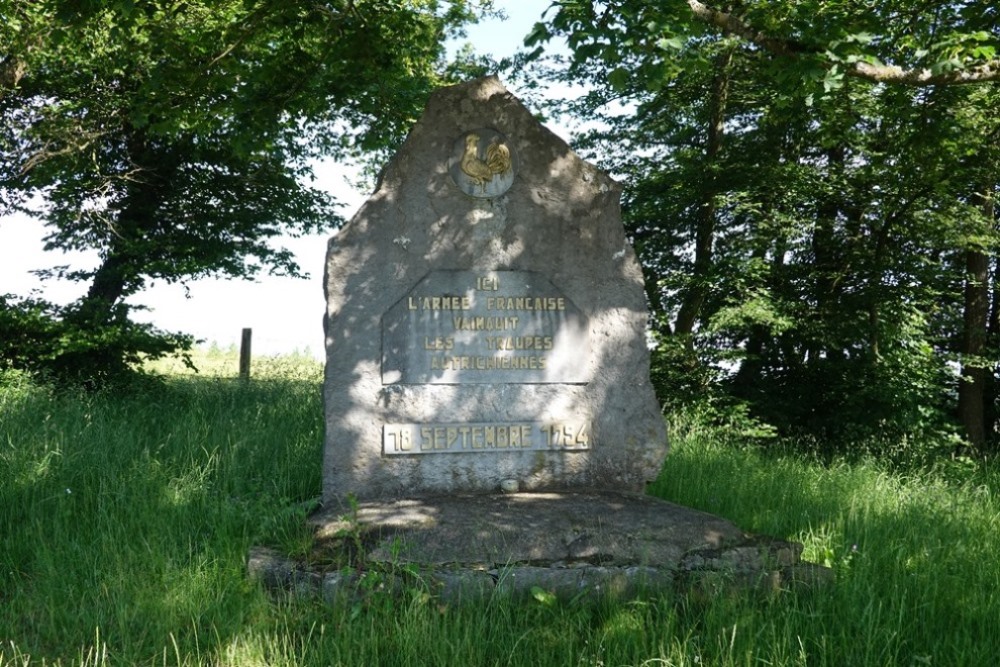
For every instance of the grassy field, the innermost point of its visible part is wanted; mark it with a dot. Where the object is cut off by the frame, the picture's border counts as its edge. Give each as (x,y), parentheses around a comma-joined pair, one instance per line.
(125,523)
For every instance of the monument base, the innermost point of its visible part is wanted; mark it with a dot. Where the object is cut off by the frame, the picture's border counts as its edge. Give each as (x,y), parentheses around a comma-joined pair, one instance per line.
(568,545)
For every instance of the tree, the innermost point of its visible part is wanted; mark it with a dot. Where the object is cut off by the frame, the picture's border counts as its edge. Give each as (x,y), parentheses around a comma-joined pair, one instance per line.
(900,42)
(174,138)
(961,44)
(818,254)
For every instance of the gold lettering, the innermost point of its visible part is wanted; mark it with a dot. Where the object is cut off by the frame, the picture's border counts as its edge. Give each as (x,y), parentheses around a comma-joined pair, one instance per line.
(536,303)
(513,362)
(401,439)
(481,323)
(438,343)
(519,343)
(487,284)
(408,439)
(439,303)
(440,435)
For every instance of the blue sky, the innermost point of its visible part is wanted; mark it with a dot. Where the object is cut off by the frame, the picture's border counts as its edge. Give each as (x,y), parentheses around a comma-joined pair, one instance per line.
(285,314)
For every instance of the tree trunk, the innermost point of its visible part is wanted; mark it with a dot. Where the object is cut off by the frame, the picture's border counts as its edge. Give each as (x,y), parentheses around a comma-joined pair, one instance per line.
(121,272)
(705,224)
(748,375)
(829,252)
(992,390)
(874,296)
(972,385)
(106,289)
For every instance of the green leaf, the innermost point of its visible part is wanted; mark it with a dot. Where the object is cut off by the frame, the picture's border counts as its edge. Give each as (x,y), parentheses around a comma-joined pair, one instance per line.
(675,43)
(618,78)
(539,33)
(833,80)
(984,52)
(860,38)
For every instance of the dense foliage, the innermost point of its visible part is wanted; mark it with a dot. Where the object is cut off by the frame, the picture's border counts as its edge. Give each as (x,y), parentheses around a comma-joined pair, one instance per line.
(44,339)
(810,185)
(811,188)
(174,138)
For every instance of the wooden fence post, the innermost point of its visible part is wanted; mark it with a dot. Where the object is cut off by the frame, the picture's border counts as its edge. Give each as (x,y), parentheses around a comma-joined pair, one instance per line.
(245,355)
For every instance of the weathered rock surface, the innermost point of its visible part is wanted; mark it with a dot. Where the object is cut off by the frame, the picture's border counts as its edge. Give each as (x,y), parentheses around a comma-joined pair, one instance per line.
(583,408)
(567,544)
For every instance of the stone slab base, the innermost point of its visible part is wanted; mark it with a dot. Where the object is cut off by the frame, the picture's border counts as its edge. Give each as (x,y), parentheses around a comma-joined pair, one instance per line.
(568,545)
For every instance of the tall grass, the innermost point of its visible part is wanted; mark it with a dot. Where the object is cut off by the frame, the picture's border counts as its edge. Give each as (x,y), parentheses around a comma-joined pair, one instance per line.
(915,553)
(125,522)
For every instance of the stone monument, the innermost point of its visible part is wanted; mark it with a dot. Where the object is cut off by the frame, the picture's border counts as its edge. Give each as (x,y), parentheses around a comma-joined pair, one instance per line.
(486,318)
(489,415)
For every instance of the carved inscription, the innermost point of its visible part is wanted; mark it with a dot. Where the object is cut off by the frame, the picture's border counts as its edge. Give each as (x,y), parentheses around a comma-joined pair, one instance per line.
(406,439)
(458,327)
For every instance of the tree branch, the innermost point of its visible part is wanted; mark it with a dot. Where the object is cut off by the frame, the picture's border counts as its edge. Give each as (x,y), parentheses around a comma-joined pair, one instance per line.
(734,25)
(983,73)
(12,69)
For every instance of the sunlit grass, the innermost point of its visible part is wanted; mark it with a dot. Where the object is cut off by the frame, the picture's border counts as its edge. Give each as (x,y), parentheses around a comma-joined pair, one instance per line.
(125,522)
(213,361)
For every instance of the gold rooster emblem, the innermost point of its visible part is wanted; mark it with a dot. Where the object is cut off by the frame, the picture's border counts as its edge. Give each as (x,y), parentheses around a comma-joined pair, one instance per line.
(497,162)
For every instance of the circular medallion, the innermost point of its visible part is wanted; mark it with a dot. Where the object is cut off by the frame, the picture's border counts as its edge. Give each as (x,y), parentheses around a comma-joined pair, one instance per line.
(483,163)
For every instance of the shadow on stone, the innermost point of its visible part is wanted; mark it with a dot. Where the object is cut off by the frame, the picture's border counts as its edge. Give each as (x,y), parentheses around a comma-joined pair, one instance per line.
(486,329)
(571,546)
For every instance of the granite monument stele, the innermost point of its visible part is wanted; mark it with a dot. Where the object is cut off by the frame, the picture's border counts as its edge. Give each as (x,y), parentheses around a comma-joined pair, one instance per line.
(486,318)
(489,415)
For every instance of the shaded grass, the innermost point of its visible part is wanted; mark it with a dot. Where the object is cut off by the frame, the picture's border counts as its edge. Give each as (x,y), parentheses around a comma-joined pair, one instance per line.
(126,520)
(915,554)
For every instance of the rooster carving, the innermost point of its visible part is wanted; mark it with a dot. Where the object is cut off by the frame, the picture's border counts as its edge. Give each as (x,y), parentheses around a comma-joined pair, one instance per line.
(481,171)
